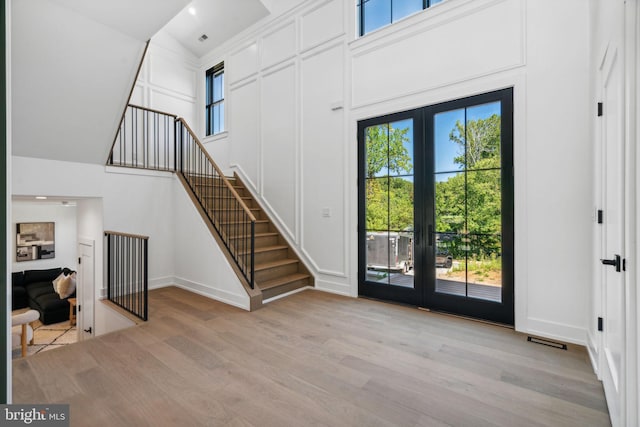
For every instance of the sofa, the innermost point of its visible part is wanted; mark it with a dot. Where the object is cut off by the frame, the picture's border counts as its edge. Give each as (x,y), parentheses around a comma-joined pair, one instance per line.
(34,288)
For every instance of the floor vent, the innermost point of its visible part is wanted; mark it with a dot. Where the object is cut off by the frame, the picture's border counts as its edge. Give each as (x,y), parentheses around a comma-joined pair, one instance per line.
(547,343)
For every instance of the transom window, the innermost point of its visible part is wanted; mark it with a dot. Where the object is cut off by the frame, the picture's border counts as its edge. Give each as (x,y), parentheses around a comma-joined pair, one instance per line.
(373,14)
(215,100)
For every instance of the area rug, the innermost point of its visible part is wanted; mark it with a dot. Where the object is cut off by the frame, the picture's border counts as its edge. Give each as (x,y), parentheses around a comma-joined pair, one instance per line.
(48,337)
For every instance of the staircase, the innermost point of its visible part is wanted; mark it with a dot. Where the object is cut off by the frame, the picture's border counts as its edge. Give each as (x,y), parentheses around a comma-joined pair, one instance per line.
(265,263)
(278,269)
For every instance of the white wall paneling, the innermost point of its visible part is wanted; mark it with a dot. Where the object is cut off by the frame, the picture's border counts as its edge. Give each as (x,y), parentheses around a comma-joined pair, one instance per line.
(242,63)
(322,24)
(244,128)
(323,153)
(279,145)
(164,72)
(279,45)
(457,49)
(168,80)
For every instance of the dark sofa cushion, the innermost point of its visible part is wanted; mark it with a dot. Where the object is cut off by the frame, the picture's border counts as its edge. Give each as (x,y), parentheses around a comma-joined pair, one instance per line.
(19,298)
(34,276)
(18,292)
(35,290)
(17,279)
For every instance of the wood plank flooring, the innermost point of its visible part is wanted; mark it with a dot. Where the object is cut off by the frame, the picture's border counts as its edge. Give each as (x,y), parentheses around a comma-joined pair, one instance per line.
(311,359)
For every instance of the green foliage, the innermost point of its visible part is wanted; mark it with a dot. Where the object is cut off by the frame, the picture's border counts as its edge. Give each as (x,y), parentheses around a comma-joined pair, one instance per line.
(476,192)
(481,138)
(385,149)
(382,190)
(468,204)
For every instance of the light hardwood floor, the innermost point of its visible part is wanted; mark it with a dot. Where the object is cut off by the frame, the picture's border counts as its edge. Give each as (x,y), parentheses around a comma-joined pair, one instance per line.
(312,359)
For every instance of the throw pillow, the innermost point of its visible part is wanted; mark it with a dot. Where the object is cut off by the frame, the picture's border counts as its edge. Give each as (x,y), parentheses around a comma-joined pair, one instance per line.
(56,281)
(67,286)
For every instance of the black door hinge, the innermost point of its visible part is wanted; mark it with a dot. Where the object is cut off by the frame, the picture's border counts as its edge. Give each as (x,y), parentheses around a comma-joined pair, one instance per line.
(79,260)
(624,264)
(600,321)
(599,216)
(599,109)
(79,308)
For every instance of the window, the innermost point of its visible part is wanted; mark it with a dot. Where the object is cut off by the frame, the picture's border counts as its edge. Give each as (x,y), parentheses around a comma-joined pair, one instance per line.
(215,99)
(373,14)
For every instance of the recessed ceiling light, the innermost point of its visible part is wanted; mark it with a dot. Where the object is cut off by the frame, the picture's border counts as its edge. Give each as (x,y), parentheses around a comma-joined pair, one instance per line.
(203,37)
(41,197)
(192,10)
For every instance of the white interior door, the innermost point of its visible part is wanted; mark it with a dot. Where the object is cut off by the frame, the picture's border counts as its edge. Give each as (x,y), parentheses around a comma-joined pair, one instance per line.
(613,233)
(86,289)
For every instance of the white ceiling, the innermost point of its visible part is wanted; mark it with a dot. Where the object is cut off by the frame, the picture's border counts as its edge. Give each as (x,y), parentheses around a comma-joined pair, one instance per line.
(73,63)
(218,19)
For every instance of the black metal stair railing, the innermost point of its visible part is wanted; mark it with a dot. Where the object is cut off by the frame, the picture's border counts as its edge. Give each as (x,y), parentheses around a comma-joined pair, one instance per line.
(128,272)
(145,140)
(151,139)
(224,207)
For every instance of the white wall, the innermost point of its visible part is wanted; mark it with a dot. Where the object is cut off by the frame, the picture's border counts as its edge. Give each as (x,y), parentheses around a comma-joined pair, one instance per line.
(168,79)
(64,217)
(297,85)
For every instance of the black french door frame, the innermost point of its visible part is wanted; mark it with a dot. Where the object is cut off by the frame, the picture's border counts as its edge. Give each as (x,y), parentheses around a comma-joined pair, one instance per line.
(424,294)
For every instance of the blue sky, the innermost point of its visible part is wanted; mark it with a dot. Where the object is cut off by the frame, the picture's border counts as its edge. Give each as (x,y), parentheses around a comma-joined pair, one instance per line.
(445,149)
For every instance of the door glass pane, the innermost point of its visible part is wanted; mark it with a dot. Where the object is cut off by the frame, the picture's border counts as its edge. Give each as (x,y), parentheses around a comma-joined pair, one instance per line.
(389,203)
(450,264)
(468,203)
(484,201)
(450,203)
(484,267)
(483,136)
(449,141)
(377,207)
(401,148)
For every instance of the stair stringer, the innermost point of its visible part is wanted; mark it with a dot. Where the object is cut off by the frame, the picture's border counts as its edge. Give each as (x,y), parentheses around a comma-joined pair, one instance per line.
(255,295)
(305,261)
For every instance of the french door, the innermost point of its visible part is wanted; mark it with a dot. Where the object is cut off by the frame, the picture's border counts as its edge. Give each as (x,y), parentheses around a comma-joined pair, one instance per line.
(436,207)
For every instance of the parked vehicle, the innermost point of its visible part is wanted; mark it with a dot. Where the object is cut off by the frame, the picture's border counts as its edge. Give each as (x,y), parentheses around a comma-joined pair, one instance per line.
(390,251)
(443,259)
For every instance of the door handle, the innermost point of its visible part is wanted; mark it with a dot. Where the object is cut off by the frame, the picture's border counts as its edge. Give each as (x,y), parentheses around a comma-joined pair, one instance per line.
(614,262)
(88,330)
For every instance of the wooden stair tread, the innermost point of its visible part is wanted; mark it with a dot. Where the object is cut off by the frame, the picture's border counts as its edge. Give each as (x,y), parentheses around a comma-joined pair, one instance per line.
(267,249)
(262,221)
(268,284)
(244,236)
(273,264)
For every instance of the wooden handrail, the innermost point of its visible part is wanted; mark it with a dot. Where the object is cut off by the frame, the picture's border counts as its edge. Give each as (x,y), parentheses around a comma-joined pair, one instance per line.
(152,110)
(133,87)
(222,176)
(117,233)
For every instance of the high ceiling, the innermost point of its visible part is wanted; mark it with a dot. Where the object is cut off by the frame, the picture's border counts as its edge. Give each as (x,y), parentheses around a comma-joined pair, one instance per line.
(218,19)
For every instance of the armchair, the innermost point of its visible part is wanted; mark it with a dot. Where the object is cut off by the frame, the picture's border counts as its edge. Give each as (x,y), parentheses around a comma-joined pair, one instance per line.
(22,329)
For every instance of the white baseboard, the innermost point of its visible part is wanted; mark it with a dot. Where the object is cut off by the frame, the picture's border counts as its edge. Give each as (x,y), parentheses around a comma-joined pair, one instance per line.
(333,287)
(286,294)
(592,349)
(556,331)
(240,301)
(161,282)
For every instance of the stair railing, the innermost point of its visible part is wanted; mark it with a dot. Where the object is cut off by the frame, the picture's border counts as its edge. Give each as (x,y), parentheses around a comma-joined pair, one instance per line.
(128,272)
(152,139)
